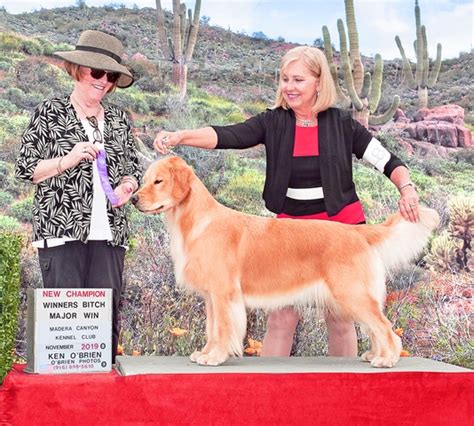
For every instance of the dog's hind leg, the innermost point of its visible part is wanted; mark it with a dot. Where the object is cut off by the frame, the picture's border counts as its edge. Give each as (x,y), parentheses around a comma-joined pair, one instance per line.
(209,331)
(228,329)
(374,349)
(385,344)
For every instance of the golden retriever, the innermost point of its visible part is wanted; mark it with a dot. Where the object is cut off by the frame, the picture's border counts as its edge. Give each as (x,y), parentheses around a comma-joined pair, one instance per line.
(234,260)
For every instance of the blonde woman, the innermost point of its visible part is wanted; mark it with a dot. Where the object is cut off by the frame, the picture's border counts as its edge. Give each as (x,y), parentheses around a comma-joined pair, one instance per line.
(309,147)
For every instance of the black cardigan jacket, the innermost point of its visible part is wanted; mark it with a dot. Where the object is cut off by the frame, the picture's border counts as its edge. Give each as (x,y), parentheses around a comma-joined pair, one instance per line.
(340,136)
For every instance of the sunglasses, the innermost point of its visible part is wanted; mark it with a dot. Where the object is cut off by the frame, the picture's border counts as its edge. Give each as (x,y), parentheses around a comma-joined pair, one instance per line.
(112,77)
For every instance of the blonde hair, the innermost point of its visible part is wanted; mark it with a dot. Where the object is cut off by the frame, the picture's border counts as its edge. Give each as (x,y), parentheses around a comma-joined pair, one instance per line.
(74,70)
(315,60)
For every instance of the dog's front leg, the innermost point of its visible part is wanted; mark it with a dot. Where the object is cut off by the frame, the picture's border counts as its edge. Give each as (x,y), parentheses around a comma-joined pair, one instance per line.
(209,328)
(228,327)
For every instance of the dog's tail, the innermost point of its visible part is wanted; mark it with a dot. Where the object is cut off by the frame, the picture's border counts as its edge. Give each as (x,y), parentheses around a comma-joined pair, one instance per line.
(399,241)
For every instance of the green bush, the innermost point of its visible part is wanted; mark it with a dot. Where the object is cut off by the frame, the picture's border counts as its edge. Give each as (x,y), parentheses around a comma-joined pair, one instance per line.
(4,65)
(23,100)
(5,200)
(10,248)
(7,107)
(9,224)
(9,42)
(22,210)
(36,76)
(14,125)
(31,47)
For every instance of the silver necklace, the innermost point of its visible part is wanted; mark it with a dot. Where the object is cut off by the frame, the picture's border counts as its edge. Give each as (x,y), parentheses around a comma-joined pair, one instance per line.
(306,123)
(82,109)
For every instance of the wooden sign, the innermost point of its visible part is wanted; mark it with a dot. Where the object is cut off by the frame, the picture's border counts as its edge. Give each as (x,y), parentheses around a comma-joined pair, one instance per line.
(69,330)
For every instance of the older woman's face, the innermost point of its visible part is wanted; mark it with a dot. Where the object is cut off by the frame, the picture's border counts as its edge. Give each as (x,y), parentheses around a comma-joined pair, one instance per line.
(93,88)
(299,86)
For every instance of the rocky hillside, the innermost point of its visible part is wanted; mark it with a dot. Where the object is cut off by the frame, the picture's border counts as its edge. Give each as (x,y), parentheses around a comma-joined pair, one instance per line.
(224,60)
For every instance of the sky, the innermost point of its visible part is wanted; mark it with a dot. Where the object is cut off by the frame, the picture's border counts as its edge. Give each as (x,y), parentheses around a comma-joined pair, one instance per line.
(449,22)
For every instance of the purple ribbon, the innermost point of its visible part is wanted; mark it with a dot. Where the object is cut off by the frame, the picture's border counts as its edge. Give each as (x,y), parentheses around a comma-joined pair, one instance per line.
(104,178)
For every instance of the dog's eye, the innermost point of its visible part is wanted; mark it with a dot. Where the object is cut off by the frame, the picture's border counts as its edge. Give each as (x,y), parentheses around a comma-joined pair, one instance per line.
(157,181)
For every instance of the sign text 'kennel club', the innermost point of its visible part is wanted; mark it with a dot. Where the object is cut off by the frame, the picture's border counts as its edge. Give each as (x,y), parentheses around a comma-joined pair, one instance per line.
(69,330)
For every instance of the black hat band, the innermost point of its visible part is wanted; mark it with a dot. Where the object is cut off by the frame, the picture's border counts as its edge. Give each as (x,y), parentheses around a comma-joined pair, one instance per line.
(102,51)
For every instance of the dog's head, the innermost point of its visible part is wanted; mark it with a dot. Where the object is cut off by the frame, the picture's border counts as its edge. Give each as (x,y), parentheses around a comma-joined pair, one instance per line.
(165,185)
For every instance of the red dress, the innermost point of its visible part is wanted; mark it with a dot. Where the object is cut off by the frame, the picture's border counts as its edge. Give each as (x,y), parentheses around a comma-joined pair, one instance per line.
(305,177)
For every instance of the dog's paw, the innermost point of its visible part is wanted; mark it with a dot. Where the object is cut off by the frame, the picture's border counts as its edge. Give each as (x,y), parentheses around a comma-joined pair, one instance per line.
(383,362)
(368,356)
(195,355)
(214,358)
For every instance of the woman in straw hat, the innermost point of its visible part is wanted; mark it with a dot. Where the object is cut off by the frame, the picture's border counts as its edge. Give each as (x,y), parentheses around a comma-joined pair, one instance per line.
(309,147)
(82,158)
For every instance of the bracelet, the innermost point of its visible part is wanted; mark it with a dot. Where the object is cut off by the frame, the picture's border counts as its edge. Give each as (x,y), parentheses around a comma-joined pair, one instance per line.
(58,167)
(410,183)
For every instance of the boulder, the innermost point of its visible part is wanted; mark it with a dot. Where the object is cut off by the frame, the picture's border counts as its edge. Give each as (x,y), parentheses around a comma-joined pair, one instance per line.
(464,137)
(427,149)
(442,126)
(439,133)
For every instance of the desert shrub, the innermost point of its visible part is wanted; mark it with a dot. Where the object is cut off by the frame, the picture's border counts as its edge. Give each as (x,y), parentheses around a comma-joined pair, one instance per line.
(5,200)
(243,191)
(8,224)
(10,247)
(377,194)
(23,100)
(152,84)
(8,182)
(215,110)
(10,42)
(7,107)
(435,319)
(48,47)
(5,65)
(22,210)
(142,68)
(254,108)
(9,147)
(463,156)
(157,104)
(31,47)
(35,76)
(15,125)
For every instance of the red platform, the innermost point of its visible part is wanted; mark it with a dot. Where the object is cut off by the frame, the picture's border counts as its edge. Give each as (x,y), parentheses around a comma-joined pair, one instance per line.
(404,398)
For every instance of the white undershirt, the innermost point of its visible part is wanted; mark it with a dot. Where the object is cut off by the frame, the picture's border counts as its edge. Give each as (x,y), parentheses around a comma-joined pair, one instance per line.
(100,227)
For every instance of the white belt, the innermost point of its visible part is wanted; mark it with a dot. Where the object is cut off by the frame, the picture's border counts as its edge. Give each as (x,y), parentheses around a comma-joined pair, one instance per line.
(305,193)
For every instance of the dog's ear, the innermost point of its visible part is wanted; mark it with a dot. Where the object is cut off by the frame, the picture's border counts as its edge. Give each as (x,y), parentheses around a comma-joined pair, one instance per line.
(181,175)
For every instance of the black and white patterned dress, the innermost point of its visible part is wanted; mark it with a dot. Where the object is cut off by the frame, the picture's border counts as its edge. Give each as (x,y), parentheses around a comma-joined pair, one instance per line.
(62,204)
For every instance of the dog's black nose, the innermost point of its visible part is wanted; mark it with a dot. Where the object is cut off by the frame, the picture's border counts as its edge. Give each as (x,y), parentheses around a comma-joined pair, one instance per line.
(134,199)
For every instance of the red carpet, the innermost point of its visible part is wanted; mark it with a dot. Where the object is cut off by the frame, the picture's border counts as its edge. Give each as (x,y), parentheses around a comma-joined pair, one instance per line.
(405,398)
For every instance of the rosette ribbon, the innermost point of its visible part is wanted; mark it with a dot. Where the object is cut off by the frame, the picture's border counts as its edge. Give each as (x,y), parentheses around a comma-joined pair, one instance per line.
(102,163)
(104,178)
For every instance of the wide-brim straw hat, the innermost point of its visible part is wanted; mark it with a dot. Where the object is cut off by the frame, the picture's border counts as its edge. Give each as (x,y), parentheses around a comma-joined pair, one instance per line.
(98,50)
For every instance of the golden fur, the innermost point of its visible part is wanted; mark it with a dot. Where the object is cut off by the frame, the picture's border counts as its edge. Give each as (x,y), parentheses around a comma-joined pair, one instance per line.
(234,260)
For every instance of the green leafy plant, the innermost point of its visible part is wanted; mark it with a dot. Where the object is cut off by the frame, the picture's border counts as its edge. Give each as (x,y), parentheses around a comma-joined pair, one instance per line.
(10,248)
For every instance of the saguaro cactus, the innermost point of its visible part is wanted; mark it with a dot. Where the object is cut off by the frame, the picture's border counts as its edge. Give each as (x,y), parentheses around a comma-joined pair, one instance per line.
(180,47)
(423,79)
(362,90)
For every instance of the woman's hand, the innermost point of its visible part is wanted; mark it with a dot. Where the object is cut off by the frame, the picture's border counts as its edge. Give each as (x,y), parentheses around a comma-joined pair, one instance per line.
(124,191)
(81,151)
(408,204)
(165,141)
